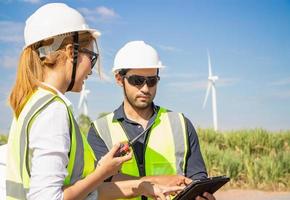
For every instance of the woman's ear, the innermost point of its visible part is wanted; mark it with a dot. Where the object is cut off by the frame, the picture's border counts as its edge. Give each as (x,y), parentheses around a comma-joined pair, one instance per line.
(69,51)
(119,79)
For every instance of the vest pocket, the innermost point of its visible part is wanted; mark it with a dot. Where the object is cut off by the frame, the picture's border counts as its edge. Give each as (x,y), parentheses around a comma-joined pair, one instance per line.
(158,168)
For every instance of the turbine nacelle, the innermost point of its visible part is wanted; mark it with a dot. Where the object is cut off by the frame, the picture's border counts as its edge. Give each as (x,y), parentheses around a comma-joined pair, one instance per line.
(213,78)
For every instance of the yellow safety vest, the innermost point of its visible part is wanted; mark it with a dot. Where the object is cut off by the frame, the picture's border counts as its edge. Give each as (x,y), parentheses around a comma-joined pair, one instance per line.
(81,157)
(165,149)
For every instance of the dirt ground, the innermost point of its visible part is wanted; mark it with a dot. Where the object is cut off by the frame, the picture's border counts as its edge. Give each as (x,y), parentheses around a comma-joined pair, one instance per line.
(236,194)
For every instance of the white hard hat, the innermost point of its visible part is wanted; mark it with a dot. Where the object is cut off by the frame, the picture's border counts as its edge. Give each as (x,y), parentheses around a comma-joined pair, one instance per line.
(136,55)
(54,19)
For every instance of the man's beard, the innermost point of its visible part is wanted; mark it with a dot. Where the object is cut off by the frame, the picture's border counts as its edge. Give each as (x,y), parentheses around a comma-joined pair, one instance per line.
(135,104)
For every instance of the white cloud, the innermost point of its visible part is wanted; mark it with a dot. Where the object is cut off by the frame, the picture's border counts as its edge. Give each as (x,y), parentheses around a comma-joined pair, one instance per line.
(9,61)
(105,12)
(201,84)
(32,1)
(227,82)
(169,48)
(99,14)
(103,78)
(281,82)
(282,94)
(11,31)
(188,75)
(189,85)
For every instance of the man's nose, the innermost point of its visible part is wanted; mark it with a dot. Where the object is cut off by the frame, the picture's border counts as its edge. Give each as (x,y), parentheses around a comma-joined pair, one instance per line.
(145,87)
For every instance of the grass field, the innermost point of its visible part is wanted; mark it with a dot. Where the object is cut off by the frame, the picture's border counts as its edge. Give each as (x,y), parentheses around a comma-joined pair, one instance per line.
(252,158)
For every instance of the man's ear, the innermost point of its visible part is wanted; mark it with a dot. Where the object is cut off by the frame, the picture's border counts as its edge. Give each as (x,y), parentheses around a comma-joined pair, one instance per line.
(119,79)
(69,51)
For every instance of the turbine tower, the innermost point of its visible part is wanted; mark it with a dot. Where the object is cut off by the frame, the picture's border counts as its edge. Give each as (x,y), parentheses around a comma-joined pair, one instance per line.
(83,103)
(211,86)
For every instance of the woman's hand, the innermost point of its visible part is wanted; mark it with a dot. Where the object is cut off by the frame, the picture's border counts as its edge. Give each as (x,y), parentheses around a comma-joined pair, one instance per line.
(110,164)
(158,192)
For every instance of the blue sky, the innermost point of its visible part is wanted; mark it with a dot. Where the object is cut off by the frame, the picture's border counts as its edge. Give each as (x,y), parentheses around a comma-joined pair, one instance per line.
(248,40)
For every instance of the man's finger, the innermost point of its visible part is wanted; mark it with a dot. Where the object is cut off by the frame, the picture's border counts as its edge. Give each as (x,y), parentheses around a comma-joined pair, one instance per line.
(187,181)
(200,198)
(208,196)
(172,189)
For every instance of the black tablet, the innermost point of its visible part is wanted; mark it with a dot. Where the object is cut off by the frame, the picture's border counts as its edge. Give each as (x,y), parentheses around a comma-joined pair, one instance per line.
(198,187)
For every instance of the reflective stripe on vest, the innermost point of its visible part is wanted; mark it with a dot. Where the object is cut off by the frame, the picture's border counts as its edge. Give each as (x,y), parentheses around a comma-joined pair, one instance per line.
(18,169)
(166,144)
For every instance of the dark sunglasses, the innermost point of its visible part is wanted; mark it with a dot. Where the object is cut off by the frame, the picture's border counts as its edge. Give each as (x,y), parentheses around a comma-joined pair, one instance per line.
(137,80)
(94,56)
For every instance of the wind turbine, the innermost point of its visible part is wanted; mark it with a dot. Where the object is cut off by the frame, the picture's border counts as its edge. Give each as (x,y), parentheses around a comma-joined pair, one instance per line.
(211,86)
(83,103)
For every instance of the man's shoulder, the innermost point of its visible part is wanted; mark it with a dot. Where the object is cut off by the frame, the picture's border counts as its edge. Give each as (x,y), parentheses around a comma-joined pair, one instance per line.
(103,115)
(172,112)
(167,110)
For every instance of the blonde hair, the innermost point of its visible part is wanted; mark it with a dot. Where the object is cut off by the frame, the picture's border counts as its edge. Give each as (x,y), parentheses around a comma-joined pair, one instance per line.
(30,72)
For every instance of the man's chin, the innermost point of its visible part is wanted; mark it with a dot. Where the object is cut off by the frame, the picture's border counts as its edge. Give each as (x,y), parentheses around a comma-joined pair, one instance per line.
(143,105)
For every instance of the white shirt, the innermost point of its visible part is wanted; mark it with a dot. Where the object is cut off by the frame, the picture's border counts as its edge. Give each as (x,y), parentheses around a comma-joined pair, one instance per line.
(50,141)
(3,150)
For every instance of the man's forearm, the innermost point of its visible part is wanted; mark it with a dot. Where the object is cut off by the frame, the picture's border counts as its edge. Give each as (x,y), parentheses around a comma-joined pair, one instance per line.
(119,190)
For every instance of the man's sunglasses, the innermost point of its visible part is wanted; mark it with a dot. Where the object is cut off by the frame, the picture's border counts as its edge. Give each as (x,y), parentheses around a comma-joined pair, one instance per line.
(137,80)
(94,56)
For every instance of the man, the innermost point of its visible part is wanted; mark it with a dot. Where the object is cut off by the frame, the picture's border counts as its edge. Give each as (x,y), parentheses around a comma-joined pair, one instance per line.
(170,146)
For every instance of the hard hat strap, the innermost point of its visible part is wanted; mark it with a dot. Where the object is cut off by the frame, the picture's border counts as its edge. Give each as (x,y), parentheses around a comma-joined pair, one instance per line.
(75,59)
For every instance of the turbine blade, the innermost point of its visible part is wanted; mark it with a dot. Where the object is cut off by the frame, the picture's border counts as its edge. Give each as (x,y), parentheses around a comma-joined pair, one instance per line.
(207,93)
(209,65)
(81,100)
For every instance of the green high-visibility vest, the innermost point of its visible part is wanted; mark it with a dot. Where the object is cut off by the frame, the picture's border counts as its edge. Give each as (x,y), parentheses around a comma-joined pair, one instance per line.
(165,149)
(81,157)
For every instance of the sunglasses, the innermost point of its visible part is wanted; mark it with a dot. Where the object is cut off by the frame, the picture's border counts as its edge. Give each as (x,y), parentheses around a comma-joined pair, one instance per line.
(137,80)
(94,56)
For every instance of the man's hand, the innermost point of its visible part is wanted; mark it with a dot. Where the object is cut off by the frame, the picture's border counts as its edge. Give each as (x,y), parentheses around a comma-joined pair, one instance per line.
(169,180)
(158,192)
(176,180)
(206,196)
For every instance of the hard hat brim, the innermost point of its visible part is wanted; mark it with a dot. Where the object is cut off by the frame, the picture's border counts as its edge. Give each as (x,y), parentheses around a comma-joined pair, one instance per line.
(94,32)
(118,68)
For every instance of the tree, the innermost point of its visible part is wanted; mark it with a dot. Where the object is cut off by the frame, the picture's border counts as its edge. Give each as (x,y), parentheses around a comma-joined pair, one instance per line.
(84,122)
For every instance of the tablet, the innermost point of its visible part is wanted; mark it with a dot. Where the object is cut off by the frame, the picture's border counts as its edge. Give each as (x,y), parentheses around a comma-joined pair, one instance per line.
(198,187)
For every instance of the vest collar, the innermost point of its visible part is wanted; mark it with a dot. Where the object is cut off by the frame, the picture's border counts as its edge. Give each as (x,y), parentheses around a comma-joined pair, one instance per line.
(61,95)
(119,113)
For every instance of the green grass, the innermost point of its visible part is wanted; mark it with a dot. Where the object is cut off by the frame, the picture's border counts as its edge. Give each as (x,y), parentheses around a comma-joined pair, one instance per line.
(252,158)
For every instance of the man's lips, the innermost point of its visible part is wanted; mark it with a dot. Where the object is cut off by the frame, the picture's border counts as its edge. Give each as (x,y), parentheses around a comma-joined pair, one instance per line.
(143,96)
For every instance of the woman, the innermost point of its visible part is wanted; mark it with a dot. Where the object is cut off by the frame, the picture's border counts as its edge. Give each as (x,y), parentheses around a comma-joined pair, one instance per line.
(48,157)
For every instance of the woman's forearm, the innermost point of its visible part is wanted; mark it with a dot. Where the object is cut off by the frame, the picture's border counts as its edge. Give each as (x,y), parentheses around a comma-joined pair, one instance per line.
(82,188)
